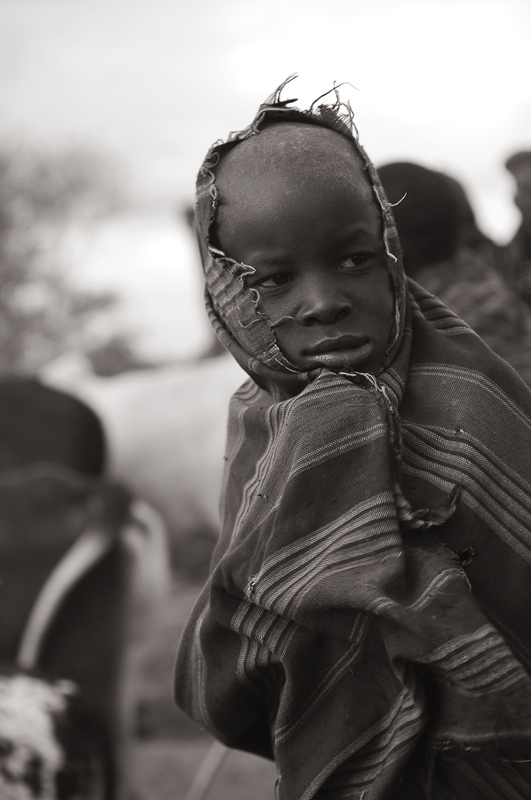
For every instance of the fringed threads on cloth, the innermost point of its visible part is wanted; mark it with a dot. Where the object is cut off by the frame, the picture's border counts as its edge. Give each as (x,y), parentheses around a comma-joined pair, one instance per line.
(424,517)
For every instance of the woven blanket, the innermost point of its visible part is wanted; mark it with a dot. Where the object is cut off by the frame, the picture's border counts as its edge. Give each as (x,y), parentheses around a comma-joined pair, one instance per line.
(366,620)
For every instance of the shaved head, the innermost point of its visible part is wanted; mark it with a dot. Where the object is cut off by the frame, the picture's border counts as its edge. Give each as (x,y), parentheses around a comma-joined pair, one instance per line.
(284,159)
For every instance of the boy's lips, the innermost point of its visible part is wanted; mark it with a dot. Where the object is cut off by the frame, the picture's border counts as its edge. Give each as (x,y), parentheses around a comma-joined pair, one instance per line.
(339,351)
(345,341)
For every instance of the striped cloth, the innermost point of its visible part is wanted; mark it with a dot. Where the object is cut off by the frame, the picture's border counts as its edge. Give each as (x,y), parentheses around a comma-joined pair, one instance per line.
(366,620)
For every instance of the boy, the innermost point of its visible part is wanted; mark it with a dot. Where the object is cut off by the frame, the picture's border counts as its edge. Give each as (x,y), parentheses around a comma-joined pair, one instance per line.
(337,633)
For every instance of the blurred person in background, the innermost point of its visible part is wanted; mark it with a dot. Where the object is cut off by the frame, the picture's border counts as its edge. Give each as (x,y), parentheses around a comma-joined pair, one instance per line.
(446,252)
(516,262)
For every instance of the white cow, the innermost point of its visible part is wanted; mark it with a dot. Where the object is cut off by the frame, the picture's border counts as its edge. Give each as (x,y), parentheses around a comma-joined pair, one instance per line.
(166,430)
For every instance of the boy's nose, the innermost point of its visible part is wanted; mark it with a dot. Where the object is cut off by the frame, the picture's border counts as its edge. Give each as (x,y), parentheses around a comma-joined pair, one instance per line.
(324,303)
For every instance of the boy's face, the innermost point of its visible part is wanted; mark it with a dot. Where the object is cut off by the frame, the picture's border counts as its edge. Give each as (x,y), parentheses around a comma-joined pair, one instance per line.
(314,236)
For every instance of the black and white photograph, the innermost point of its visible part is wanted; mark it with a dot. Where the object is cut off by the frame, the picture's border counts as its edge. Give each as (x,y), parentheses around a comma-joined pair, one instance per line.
(265,400)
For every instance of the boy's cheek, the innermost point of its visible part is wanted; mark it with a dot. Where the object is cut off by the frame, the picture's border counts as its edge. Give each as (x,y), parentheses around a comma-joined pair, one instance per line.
(277,309)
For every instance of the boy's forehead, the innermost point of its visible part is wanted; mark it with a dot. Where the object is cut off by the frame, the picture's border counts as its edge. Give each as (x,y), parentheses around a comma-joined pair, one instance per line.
(297,152)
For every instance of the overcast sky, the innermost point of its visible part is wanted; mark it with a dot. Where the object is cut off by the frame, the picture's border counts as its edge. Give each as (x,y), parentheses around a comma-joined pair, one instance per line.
(156,81)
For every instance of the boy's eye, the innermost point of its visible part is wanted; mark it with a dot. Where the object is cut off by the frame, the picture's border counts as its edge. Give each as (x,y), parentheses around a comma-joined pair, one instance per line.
(273,281)
(355,260)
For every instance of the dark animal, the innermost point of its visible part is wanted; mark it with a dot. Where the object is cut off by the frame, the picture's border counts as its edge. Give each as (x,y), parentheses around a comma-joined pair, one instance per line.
(71,545)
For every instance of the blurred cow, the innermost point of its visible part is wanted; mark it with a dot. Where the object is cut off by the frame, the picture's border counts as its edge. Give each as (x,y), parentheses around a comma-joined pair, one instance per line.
(82,570)
(166,430)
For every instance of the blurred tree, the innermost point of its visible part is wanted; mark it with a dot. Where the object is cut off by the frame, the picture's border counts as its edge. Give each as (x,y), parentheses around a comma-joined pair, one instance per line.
(116,355)
(47,204)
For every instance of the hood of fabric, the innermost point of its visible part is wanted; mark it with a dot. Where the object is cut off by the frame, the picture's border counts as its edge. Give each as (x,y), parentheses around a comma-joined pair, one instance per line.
(233,307)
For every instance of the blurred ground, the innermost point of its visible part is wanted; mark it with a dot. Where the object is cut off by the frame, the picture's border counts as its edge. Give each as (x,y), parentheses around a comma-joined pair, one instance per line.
(169,747)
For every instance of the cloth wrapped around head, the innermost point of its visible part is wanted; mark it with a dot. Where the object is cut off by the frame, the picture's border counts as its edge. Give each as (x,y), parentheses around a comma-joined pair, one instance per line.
(366,619)
(232,306)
